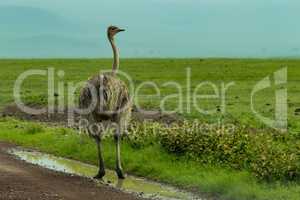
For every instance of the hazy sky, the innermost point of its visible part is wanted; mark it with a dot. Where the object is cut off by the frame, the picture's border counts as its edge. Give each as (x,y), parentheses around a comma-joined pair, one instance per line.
(155,28)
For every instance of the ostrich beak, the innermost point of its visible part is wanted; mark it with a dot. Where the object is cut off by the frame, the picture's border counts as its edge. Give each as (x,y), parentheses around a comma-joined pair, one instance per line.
(120,30)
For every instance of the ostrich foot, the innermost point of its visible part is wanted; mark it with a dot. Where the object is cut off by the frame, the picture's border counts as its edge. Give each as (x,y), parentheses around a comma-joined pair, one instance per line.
(100,175)
(120,173)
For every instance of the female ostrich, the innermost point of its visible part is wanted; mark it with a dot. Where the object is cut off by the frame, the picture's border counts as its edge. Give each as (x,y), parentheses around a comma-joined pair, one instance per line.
(112,104)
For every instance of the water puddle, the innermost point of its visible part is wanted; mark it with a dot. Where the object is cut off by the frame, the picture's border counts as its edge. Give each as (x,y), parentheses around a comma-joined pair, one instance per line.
(140,186)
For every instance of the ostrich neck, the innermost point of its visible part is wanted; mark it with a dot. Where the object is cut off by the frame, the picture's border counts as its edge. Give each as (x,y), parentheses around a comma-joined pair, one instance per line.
(116,56)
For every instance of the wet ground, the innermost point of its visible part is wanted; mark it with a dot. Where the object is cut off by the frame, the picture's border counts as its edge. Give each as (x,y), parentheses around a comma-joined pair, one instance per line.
(23,181)
(138,187)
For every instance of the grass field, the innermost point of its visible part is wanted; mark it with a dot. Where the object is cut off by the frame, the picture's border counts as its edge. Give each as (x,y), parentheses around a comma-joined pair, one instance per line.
(244,73)
(225,181)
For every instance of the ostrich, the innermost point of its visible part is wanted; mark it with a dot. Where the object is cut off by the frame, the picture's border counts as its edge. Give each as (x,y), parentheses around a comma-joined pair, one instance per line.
(112,104)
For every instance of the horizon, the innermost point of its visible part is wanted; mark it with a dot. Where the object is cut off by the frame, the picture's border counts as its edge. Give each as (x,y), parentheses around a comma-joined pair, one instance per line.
(166,57)
(191,29)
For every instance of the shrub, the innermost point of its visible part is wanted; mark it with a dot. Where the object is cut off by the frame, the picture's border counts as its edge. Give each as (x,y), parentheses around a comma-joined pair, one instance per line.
(267,154)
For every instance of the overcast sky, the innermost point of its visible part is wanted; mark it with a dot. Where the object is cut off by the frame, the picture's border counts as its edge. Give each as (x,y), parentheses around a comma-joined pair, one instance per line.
(155,28)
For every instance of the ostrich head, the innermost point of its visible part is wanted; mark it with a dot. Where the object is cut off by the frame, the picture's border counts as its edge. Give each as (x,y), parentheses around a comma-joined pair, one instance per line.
(112,31)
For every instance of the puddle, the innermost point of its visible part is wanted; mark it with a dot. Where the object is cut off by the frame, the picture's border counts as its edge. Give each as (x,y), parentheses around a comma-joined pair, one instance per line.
(140,186)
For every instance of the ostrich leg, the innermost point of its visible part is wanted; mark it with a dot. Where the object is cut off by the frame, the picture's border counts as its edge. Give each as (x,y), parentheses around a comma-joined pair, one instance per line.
(101,171)
(119,169)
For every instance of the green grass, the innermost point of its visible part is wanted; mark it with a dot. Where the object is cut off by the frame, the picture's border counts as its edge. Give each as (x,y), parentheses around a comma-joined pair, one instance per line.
(245,73)
(228,183)
(152,162)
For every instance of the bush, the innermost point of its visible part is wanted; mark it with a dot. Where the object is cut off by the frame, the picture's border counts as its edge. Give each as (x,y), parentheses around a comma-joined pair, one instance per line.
(268,155)
(143,134)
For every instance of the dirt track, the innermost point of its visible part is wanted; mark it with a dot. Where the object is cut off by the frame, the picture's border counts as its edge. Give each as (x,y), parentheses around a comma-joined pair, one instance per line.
(62,118)
(23,181)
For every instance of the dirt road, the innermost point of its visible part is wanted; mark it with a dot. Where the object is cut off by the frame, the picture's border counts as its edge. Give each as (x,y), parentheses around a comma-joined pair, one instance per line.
(23,181)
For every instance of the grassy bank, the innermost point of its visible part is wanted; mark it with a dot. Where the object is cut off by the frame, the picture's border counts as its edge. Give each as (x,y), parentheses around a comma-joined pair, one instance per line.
(150,161)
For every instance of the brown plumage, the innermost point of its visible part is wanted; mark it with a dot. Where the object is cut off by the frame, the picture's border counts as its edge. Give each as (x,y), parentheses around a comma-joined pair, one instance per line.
(112,104)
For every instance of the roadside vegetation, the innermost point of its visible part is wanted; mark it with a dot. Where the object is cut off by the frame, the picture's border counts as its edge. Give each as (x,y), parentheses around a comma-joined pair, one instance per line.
(266,154)
(152,159)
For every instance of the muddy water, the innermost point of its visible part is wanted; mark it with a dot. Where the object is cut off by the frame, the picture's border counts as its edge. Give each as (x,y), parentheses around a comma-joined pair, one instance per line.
(140,186)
